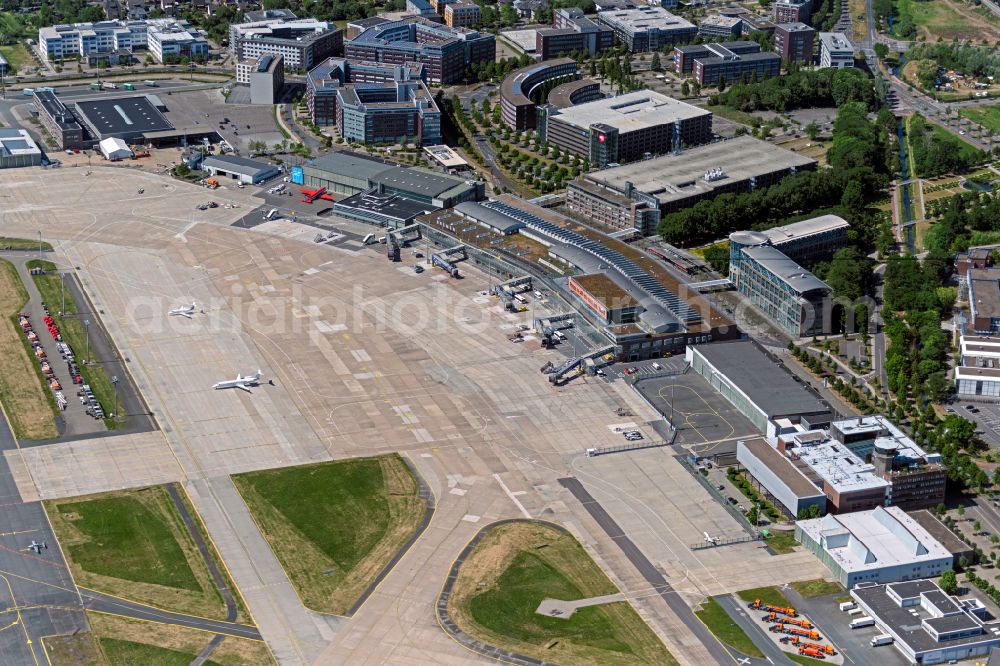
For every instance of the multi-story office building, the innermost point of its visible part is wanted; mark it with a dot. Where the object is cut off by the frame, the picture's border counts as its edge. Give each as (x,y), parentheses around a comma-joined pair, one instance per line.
(517,109)
(792,297)
(734,68)
(794,42)
(984,299)
(684,56)
(300,42)
(446,52)
(572,32)
(325,81)
(397,112)
(792,11)
(835,50)
(751,23)
(648,28)
(979,371)
(638,195)
(59,120)
(422,8)
(625,128)
(461,14)
(265,76)
(811,240)
(717,26)
(162,37)
(358,26)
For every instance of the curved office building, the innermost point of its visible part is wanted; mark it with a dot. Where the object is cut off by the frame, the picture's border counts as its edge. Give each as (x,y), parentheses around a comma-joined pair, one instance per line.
(516,108)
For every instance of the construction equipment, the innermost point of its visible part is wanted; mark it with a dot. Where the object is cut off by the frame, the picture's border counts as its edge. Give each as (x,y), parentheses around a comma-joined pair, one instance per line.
(757,604)
(811,652)
(826,649)
(211,183)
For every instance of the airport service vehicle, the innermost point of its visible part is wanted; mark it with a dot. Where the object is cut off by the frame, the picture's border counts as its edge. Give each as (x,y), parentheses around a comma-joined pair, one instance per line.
(538,294)
(28,92)
(418,269)
(883,639)
(109,86)
(242,383)
(811,652)
(848,605)
(367,239)
(272,214)
(128,86)
(94,86)
(863,621)
(520,299)
(151,84)
(757,604)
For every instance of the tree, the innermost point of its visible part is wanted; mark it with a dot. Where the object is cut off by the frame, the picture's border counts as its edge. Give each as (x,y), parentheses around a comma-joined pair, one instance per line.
(961,511)
(722,83)
(717,257)
(977,526)
(654,64)
(949,582)
(812,130)
(881,50)
(963,562)
(853,199)
(685,89)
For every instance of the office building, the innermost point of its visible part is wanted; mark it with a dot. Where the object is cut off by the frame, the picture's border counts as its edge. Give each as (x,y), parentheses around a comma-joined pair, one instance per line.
(789,295)
(735,68)
(395,112)
(978,373)
(446,159)
(638,195)
(625,128)
(984,300)
(751,23)
(163,38)
(717,26)
(648,28)
(517,108)
(423,8)
(349,173)
(777,478)
(926,625)
(792,11)
(265,76)
(759,387)
(59,120)
(835,50)
(576,92)
(18,149)
(325,82)
(357,26)
(302,43)
(794,42)
(446,52)
(811,240)
(461,14)
(882,545)
(683,57)
(572,32)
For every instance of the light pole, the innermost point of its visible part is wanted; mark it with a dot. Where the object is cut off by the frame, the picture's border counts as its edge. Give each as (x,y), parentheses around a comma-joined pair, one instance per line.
(86,327)
(62,282)
(114,382)
(39,243)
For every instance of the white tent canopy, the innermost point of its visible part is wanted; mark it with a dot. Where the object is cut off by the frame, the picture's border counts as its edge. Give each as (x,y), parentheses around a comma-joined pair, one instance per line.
(114,148)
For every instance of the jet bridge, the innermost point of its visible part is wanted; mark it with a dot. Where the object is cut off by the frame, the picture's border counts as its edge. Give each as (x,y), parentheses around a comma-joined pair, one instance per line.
(407,234)
(568,366)
(454,254)
(556,322)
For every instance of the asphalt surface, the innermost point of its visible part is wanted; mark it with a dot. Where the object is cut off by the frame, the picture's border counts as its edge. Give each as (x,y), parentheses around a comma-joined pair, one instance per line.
(737,612)
(647,570)
(104,603)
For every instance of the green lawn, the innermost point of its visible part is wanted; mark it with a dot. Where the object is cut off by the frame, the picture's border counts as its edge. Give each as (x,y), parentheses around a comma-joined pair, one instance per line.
(17,57)
(21,243)
(781,542)
(718,621)
(75,334)
(334,526)
(735,115)
(816,588)
(518,565)
(940,19)
(134,544)
(987,116)
(768,595)
(127,653)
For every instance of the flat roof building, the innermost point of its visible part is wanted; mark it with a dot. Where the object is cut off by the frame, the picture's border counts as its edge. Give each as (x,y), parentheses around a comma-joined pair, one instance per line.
(717,26)
(883,545)
(168,38)
(794,42)
(302,43)
(446,158)
(128,118)
(638,195)
(59,120)
(648,28)
(606,299)
(978,373)
(778,479)
(928,626)
(984,299)
(383,210)
(395,112)
(242,169)
(735,68)
(461,14)
(683,56)
(792,11)
(576,92)
(571,31)
(809,240)
(18,149)
(758,386)
(943,535)
(517,108)
(264,75)
(625,128)
(835,50)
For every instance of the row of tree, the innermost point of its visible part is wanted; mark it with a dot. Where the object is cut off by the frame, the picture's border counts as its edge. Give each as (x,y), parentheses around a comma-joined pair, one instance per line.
(966,58)
(800,89)
(935,152)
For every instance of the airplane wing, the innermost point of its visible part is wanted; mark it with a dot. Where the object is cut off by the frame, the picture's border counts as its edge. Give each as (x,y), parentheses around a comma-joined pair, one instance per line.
(243,387)
(185,314)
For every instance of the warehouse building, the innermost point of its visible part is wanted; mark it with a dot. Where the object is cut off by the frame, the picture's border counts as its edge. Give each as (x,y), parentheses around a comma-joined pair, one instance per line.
(759,387)
(349,173)
(128,118)
(943,535)
(572,32)
(246,171)
(517,109)
(648,28)
(835,50)
(18,149)
(638,195)
(778,479)
(302,43)
(883,545)
(446,52)
(625,128)
(928,626)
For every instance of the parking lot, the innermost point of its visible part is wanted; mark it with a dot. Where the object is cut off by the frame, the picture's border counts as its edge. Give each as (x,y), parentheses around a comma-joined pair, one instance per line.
(206,108)
(986,416)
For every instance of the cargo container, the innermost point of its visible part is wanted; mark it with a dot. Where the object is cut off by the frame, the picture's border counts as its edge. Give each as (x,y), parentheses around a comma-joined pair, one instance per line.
(884,639)
(848,605)
(864,621)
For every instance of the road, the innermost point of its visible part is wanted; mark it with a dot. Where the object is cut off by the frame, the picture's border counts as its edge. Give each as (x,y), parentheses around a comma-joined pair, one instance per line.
(738,613)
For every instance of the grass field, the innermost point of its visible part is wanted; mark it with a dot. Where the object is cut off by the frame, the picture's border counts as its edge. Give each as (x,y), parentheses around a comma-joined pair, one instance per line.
(735,115)
(987,116)
(26,398)
(515,567)
(949,20)
(816,588)
(18,57)
(22,243)
(782,542)
(134,544)
(75,334)
(718,621)
(334,526)
(119,641)
(768,595)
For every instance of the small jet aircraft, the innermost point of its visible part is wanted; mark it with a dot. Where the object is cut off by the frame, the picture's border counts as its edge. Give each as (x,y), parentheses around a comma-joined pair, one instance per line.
(242,383)
(38,546)
(185,311)
(710,539)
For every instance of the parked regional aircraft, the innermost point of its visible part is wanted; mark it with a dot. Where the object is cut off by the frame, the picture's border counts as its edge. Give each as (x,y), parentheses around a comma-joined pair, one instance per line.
(710,539)
(37,546)
(185,311)
(241,382)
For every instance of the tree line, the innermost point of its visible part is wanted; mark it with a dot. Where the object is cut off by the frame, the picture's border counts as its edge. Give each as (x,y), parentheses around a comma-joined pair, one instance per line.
(800,89)
(969,59)
(935,152)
